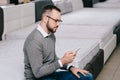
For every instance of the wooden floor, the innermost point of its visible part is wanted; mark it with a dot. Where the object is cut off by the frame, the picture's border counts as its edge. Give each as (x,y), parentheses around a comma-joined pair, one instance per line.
(111,70)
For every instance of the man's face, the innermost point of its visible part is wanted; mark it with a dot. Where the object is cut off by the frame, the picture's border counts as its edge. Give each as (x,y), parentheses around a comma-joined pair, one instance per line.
(53,21)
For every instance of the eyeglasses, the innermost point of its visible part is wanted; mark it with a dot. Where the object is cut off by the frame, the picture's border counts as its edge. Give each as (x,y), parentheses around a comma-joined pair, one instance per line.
(56,20)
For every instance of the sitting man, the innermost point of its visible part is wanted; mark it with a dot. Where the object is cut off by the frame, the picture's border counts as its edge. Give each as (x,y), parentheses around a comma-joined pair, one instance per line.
(41,61)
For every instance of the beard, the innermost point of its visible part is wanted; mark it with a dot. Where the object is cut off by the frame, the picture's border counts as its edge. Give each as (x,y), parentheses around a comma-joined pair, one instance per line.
(53,30)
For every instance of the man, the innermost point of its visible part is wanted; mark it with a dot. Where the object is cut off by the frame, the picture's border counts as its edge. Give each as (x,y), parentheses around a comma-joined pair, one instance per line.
(41,61)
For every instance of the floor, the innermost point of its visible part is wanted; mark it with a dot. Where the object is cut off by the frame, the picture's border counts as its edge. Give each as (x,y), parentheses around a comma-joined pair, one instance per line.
(111,70)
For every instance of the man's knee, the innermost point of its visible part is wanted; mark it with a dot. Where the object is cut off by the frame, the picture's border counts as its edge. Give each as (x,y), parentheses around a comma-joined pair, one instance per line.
(89,76)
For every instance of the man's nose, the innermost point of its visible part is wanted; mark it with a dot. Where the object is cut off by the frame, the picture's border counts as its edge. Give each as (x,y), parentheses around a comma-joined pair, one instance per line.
(58,23)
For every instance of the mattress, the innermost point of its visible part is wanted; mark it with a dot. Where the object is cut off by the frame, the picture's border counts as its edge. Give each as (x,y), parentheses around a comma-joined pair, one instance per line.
(109,48)
(23,16)
(100,33)
(11,60)
(88,49)
(12,57)
(20,33)
(104,35)
(117,32)
(107,5)
(96,64)
(93,16)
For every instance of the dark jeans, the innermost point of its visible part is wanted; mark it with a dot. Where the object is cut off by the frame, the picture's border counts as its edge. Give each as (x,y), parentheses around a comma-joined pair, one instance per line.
(66,75)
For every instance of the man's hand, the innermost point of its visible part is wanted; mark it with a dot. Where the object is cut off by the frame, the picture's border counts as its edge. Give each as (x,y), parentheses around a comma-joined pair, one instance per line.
(75,71)
(68,57)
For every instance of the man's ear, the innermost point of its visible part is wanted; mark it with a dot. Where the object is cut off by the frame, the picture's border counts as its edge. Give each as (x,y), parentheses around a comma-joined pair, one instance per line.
(45,19)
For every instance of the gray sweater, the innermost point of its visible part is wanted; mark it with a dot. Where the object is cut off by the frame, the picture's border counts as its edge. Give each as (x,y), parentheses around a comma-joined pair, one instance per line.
(39,55)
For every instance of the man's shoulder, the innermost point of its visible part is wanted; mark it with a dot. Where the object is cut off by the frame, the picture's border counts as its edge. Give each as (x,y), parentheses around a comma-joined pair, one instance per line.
(35,35)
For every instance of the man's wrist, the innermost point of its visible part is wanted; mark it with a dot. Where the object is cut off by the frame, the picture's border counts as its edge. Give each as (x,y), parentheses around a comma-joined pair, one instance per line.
(62,61)
(70,67)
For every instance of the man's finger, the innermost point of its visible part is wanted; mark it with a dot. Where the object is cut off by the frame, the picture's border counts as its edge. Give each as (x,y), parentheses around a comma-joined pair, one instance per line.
(77,75)
(83,73)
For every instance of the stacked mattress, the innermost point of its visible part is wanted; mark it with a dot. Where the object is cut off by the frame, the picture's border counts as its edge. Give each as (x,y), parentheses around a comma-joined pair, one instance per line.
(104,35)
(17,17)
(12,56)
(95,16)
(21,33)
(108,4)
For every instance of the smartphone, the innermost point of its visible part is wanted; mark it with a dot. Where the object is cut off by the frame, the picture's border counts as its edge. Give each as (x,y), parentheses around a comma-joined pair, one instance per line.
(77,50)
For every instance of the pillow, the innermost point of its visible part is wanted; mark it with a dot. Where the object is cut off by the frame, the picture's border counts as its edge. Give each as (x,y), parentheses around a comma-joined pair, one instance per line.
(68,6)
(20,1)
(76,4)
(65,6)
(27,14)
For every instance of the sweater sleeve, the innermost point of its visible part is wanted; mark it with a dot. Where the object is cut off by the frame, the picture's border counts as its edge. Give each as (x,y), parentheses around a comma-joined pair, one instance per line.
(35,56)
(63,66)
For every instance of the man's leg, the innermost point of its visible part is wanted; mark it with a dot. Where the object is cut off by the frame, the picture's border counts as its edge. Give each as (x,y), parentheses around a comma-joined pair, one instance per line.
(88,76)
(61,75)
(49,77)
(66,75)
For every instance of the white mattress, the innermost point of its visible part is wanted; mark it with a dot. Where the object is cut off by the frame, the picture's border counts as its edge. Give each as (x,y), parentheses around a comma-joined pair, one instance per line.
(93,16)
(109,47)
(18,16)
(21,33)
(100,33)
(107,5)
(88,49)
(12,57)
(11,60)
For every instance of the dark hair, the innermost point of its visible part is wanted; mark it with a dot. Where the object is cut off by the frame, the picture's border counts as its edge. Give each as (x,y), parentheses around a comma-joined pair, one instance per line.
(50,7)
